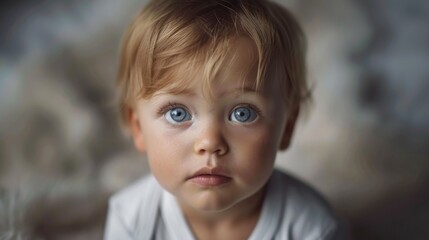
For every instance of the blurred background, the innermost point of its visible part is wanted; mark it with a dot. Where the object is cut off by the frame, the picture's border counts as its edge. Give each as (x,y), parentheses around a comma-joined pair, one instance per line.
(363,142)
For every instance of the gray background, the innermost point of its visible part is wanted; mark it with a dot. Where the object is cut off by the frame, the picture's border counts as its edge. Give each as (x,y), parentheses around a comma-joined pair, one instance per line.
(363,142)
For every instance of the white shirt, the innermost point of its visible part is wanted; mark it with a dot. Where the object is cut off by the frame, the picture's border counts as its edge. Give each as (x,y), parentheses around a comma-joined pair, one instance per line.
(291,211)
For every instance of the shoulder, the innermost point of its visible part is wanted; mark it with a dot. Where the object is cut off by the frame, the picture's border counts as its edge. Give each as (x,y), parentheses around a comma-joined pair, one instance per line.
(133,193)
(300,195)
(133,204)
(306,214)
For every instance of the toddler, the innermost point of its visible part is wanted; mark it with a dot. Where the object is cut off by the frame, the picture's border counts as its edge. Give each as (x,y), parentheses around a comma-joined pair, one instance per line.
(210,90)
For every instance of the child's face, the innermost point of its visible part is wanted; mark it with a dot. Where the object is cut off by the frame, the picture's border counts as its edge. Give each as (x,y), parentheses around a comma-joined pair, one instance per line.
(214,153)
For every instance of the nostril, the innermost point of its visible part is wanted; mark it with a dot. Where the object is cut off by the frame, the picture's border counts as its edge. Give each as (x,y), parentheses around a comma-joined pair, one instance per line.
(210,140)
(221,151)
(218,147)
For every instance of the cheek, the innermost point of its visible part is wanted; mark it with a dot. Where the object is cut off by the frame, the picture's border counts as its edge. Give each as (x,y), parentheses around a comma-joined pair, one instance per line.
(256,153)
(160,141)
(166,151)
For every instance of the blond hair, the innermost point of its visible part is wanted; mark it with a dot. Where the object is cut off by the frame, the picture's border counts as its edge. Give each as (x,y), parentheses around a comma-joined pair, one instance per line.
(168,33)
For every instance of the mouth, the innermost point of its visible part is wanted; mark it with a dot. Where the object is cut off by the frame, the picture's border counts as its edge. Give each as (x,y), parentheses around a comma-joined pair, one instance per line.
(210,177)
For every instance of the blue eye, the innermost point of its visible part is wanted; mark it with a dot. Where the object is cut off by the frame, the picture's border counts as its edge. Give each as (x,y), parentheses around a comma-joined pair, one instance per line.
(177,115)
(243,115)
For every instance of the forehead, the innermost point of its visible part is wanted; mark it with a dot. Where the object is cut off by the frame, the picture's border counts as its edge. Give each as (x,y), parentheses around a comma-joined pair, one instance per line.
(233,64)
(241,62)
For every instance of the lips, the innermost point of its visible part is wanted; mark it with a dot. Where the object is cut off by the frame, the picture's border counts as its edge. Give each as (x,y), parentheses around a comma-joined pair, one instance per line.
(210,177)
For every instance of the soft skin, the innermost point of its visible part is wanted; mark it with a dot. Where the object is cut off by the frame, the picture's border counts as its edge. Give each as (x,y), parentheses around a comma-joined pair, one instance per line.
(211,136)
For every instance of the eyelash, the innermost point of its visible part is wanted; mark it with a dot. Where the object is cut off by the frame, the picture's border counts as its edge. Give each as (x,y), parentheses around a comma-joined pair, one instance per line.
(164,109)
(253,107)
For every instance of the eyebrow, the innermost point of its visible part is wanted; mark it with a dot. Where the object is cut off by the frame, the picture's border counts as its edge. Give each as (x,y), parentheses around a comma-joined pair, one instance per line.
(242,90)
(176,91)
(190,93)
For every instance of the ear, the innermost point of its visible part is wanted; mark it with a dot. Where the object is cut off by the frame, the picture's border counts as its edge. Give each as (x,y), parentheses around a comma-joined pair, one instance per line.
(135,129)
(290,126)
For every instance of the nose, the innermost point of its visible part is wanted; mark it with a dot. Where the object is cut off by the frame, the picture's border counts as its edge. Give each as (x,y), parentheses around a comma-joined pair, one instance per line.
(211,140)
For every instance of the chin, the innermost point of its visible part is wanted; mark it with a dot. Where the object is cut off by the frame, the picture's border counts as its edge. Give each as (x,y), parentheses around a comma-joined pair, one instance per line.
(210,204)
(212,208)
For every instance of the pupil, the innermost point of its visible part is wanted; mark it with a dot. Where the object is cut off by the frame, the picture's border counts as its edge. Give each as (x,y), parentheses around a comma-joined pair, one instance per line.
(242,114)
(178,114)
